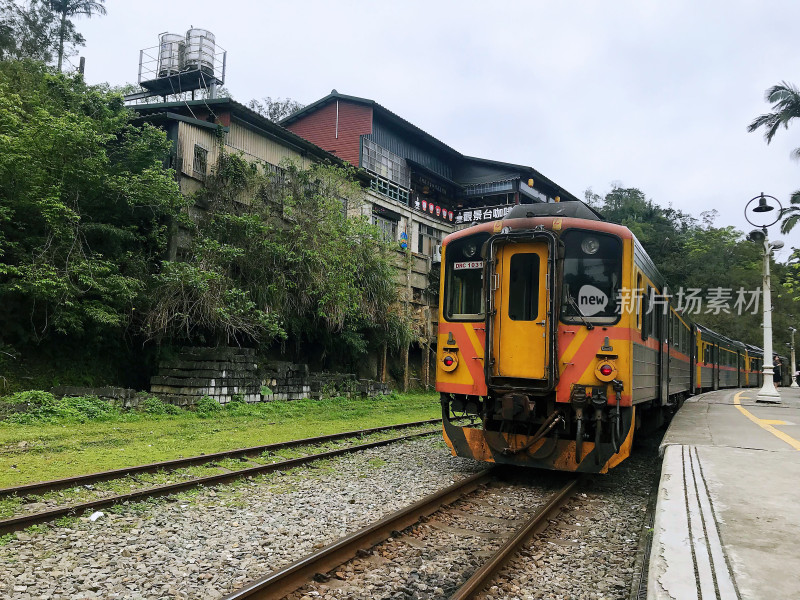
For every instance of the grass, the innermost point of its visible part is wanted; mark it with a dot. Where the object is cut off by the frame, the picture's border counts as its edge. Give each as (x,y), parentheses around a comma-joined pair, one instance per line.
(63,445)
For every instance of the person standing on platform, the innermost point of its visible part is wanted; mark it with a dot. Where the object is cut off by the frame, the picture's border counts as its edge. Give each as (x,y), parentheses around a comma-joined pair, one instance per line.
(776,371)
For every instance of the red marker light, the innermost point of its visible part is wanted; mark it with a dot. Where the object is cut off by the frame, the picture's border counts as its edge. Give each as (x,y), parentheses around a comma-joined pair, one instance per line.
(448,361)
(606,370)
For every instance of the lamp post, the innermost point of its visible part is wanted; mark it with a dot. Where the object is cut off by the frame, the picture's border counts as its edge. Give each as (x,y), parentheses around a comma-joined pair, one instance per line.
(794,364)
(768,393)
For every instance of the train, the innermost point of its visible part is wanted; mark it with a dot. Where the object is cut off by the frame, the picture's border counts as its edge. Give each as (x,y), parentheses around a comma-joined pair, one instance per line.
(558,336)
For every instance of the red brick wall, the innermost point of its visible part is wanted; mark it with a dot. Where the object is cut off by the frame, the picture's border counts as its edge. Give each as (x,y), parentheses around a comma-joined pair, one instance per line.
(319,127)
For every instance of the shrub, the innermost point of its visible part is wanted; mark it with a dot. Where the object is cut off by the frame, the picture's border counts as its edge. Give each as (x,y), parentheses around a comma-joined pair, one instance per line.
(155,406)
(207,406)
(43,407)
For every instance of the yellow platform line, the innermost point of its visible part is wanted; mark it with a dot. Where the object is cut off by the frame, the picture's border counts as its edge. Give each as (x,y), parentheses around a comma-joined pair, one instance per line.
(766,424)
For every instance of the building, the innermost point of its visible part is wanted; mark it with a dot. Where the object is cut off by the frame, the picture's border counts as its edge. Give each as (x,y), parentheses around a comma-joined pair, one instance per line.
(429,188)
(196,128)
(417,189)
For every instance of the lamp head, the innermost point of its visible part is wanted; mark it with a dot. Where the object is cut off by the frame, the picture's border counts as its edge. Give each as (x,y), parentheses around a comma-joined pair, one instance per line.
(762,205)
(757,236)
(777,245)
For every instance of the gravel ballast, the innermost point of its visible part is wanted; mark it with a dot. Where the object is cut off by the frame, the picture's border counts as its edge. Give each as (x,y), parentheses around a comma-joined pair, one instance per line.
(207,543)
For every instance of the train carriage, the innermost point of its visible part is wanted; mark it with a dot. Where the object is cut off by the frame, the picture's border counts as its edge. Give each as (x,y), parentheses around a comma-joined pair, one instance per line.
(556,329)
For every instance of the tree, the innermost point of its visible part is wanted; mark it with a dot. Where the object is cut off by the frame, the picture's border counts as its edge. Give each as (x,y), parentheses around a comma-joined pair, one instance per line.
(785,99)
(32,31)
(275,257)
(84,206)
(713,261)
(275,110)
(72,8)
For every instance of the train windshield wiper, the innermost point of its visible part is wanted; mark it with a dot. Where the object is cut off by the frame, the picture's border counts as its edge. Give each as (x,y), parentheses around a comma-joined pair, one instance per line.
(573,304)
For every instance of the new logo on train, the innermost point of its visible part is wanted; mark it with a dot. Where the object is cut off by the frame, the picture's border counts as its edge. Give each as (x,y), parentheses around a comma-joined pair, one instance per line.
(541,341)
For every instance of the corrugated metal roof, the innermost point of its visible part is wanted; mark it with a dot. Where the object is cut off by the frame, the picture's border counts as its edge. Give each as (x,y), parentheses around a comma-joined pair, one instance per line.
(466,175)
(244,113)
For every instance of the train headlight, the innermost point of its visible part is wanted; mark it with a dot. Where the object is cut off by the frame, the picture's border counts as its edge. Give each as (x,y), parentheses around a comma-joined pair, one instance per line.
(449,362)
(470,250)
(605,371)
(590,245)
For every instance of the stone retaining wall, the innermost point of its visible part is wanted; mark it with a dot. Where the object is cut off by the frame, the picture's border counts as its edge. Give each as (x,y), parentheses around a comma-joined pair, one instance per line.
(223,373)
(220,373)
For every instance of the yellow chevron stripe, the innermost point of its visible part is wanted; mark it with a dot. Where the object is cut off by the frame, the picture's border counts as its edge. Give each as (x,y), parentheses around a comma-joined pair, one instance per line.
(573,348)
(473,337)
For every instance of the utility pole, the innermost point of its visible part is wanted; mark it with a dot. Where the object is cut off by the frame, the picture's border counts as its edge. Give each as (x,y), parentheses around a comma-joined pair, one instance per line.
(794,364)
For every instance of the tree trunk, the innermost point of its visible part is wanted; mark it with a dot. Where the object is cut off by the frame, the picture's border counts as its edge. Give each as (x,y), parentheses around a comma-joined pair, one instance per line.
(405,367)
(61,33)
(382,366)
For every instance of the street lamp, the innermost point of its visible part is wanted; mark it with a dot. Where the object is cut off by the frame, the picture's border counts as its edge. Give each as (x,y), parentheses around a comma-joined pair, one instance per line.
(793,365)
(767,393)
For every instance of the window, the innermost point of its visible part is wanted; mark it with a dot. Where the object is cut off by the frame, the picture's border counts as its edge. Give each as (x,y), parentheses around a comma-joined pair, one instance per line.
(385,164)
(494,187)
(389,189)
(388,227)
(428,239)
(592,275)
(523,288)
(639,300)
(463,291)
(200,162)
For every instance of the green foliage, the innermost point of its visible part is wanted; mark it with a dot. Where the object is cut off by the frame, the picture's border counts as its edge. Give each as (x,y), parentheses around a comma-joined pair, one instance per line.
(275,257)
(43,407)
(33,30)
(785,99)
(85,205)
(154,406)
(72,8)
(207,407)
(274,110)
(698,255)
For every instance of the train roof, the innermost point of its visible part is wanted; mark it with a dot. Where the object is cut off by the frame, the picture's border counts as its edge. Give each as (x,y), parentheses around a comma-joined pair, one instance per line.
(723,338)
(574,209)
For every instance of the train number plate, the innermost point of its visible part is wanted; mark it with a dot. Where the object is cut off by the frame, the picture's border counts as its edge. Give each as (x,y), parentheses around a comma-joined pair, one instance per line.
(470,264)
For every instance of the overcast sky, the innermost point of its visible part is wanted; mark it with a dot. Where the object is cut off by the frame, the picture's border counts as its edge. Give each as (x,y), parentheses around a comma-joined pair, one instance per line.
(641,93)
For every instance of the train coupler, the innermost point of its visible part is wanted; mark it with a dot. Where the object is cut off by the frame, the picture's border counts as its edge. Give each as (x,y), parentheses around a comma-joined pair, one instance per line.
(579,400)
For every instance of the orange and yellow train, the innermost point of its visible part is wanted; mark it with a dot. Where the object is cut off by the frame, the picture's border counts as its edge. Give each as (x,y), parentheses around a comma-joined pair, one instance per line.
(556,331)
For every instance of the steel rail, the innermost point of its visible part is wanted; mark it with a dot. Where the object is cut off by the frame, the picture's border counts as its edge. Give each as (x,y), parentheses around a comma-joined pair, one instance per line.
(68,482)
(20,522)
(288,579)
(483,576)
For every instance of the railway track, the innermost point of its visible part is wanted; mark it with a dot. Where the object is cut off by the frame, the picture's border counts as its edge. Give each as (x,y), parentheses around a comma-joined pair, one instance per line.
(291,578)
(22,521)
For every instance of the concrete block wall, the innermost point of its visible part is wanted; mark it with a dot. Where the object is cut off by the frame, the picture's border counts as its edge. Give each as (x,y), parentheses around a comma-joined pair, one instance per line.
(220,373)
(223,373)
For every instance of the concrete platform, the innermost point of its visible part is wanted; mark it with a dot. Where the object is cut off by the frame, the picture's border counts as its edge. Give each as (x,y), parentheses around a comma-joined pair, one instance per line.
(728,515)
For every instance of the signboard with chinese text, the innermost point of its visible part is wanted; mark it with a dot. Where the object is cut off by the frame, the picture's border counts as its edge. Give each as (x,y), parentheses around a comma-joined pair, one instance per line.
(486,213)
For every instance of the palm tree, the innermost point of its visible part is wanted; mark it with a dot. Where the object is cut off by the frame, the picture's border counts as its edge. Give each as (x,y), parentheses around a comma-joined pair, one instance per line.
(785,99)
(71,8)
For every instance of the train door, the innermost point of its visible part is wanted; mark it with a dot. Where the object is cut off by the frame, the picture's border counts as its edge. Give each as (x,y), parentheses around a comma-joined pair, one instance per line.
(663,335)
(521,324)
(715,366)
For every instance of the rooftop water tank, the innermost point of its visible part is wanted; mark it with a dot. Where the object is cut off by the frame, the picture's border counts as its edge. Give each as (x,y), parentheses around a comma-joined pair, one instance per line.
(200,51)
(170,54)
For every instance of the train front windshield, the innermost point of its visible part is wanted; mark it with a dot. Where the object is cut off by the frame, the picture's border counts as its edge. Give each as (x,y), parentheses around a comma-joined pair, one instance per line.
(592,276)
